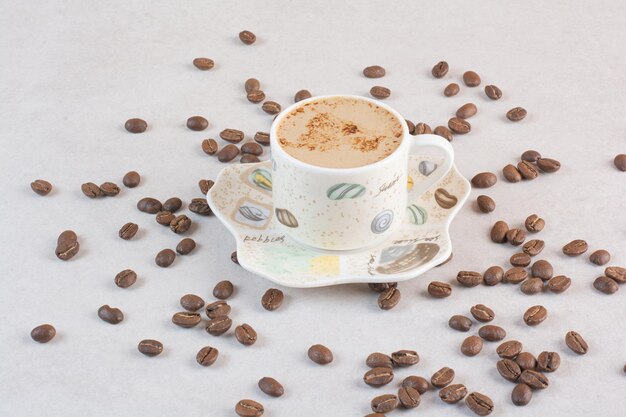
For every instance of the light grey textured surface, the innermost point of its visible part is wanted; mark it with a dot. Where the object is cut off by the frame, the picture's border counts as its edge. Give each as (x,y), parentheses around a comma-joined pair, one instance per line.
(72,72)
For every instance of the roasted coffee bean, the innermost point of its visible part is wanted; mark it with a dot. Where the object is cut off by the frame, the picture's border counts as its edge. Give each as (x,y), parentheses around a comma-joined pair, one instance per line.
(528,170)
(442,377)
(245,334)
(460,323)
(521,394)
(442,131)
(172,204)
(109,189)
(205,186)
(548,361)
(203,64)
(217,309)
(438,289)
(409,397)
(516,114)
(43,333)
(271,387)
(418,383)
(186,319)
(67,236)
(251,148)
(534,379)
(378,377)
(67,245)
(498,232)
(532,286)
(576,343)
(515,275)
(492,333)
(228,153)
(466,111)
(452,394)
(620,162)
(135,125)
(131,179)
(247,37)
(493,275)
(542,269)
(233,258)
(262,138)
(575,247)
(150,347)
(200,206)
(600,257)
(559,283)
(180,224)
(511,173)
(252,84)
(548,165)
(249,159)
(223,290)
(165,258)
(520,259)
(605,285)
(440,69)
(423,129)
(411,126)
(484,180)
(384,403)
(197,123)
(493,92)
(471,79)
(534,223)
(321,355)
(232,135)
(271,107)
(482,313)
(479,403)
(486,203)
(531,156)
(374,71)
(164,218)
(218,326)
(509,349)
(191,302)
(272,299)
(185,246)
(381,286)
(469,278)
(616,273)
(249,408)
(533,247)
(509,369)
(255,96)
(125,278)
(207,356)
(403,358)
(460,126)
(110,314)
(128,231)
(380,92)
(378,360)
(149,205)
(389,298)
(41,187)
(471,346)
(526,361)
(91,190)
(535,315)
(451,90)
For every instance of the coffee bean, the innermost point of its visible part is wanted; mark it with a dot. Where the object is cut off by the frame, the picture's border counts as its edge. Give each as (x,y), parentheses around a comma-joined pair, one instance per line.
(111,315)
(493,92)
(262,138)
(531,156)
(542,269)
(520,259)
(200,206)
(223,289)
(466,111)
(272,299)
(418,383)
(207,356)
(271,387)
(149,205)
(534,379)
(228,153)
(249,408)
(384,403)
(484,180)
(469,278)
(135,125)
(249,159)
(600,257)
(191,302)
(460,323)
(205,186)
(150,347)
(374,71)
(492,333)
(185,246)
(482,313)
(217,309)
(131,179)
(271,107)
(485,204)
(218,326)
(252,148)
(616,273)
(442,377)
(43,333)
(471,346)
(508,369)
(380,92)
(548,165)
(256,96)
(389,298)
(378,377)
(442,131)
(440,69)
(91,190)
(180,224)
(209,146)
(493,275)
(252,84)
(109,189)
(559,283)
(471,79)
(498,232)
(511,173)
(422,129)
(516,114)
(451,90)
(533,247)
(515,275)
(534,223)
(439,289)
(125,278)
(233,258)
(409,397)
(509,349)
(128,231)
(321,355)
(535,315)
(528,170)
(67,236)
(172,204)
(247,37)
(164,218)
(197,123)
(186,319)
(526,361)
(245,334)
(521,394)
(576,343)
(403,358)
(67,245)
(378,360)
(575,247)
(460,126)
(605,285)
(165,258)
(548,361)
(232,135)
(411,126)
(620,162)
(532,286)
(203,64)
(479,403)
(41,187)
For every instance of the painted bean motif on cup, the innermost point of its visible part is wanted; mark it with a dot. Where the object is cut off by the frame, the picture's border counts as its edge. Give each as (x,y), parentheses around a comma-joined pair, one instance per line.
(417,215)
(345,190)
(382,221)
(286,218)
(445,199)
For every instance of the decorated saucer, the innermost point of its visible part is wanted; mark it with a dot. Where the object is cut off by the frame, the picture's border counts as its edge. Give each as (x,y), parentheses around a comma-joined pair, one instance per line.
(242,199)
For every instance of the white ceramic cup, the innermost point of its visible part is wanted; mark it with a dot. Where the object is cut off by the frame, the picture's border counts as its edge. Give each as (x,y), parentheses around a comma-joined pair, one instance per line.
(342,209)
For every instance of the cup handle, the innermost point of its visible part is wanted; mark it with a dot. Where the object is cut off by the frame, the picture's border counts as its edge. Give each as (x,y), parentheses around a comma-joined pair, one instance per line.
(418,143)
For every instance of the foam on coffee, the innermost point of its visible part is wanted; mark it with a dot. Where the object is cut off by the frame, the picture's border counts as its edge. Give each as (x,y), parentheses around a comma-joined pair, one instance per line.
(339,132)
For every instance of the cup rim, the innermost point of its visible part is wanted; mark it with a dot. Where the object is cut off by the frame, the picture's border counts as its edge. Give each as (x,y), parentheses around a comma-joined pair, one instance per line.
(275,147)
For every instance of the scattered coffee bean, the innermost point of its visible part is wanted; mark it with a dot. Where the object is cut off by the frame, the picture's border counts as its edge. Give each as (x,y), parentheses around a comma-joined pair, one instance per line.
(109,189)
(228,153)
(616,273)
(493,92)
(271,387)
(440,69)
(131,179)
(559,283)
(534,379)
(492,333)
(197,123)
(442,131)
(233,258)
(439,289)
(482,313)
(207,356)
(531,156)
(41,187)
(111,315)
(185,246)
(247,37)
(245,334)
(526,361)
(548,361)
(262,138)
(509,349)
(374,71)
(67,245)
(620,162)
(191,302)
(150,347)
(135,125)
(389,298)
(460,126)
(471,79)
(180,224)
(411,126)
(442,377)
(249,159)
(128,231)
(91,190)
(217,309)
(205,185)
(380,92)
(511,173)
(451,90)
(484,180)
(223,290)
(409,397)
(532,286)
(542,269)
(471,346)
(252,84)
(605,285)
(454,393)
(575,247)
(232,135)
(418,383)
(533,247)
(379,360)
(498,232)
(271,107)
(252,148)
(516,114)
(469,278)
(520,259)
(384,403)
(43,333)
(521,394)
(272,299)
(479,403)
(576,343)
(515,275)
(165,258)
(249,408)
(528,170)
(404,358)
(466,111)
(203,64)
(186,319)
(378,377)
(600,257)
(534,223)
(164,218)
(548,165)
(149,205)
(422,129)
(460,323)
(485,203)
(209,146)
(535,315)
(125,278)
(508,369)
(218,326)
(321,355)
(172,204)
(515,236)
(255,96)
(200,206)
(493,275)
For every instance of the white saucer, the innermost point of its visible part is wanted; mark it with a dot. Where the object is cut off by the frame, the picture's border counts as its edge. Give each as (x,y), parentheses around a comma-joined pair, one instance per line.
(242,199)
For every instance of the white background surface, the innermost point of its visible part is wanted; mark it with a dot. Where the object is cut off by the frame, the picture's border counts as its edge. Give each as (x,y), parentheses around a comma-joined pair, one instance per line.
(72,72)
